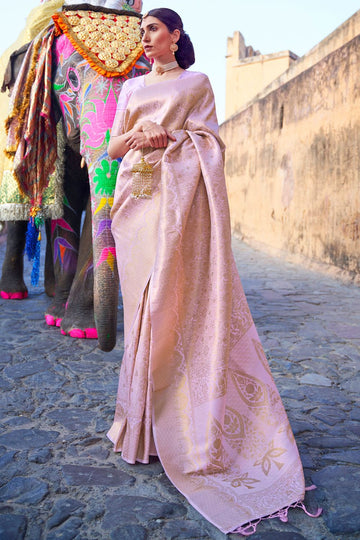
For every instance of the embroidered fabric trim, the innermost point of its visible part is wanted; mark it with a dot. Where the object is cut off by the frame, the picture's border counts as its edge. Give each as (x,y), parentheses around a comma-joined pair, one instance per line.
(111,43)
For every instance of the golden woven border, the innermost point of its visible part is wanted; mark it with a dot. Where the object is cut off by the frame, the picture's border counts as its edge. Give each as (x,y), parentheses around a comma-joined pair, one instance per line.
(63,23)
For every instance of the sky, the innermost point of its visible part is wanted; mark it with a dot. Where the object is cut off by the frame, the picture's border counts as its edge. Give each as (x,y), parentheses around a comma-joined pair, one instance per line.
(267,25)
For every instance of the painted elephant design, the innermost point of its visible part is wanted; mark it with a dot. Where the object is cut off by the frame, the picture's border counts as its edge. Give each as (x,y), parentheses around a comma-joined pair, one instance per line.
(87,100)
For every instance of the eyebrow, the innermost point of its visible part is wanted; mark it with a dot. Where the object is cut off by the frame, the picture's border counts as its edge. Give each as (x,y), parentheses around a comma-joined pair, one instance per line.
(147,25)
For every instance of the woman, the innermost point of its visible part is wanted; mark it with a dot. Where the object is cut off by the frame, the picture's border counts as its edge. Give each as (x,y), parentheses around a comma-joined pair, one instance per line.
(195,387)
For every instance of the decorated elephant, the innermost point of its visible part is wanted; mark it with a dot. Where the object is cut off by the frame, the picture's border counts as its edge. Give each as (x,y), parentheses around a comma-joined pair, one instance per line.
(88,52)
(69,246)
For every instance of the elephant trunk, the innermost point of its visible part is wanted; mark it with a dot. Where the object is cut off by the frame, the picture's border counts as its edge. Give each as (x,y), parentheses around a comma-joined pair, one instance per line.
(106,281)
(106,298)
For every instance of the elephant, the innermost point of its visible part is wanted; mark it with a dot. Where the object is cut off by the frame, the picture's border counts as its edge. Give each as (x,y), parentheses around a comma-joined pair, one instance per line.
(63,235)
(86,101)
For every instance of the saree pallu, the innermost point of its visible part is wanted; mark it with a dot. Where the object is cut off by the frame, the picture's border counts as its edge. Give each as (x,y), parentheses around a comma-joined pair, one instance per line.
(195,387)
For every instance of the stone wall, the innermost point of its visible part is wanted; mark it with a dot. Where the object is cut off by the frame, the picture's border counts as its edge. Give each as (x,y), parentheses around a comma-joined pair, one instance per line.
(339,37)
(248,72)
(293,162)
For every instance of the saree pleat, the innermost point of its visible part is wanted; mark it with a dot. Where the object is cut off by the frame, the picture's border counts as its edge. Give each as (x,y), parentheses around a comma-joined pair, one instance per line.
(194,374)
(132,433)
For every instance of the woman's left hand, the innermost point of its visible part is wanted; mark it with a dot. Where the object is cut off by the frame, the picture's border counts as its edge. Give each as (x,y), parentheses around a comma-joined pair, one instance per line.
(157,136)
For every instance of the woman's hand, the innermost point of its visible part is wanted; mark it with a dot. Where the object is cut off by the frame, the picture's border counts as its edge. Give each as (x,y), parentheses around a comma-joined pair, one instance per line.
(141,136)
(151,134)
(156,136)
(136,140)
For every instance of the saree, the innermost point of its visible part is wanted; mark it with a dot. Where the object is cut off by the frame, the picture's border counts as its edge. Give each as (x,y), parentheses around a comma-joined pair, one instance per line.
(195,387)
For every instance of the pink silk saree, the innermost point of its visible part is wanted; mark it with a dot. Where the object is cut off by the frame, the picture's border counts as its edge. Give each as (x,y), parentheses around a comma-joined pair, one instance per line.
(194,387)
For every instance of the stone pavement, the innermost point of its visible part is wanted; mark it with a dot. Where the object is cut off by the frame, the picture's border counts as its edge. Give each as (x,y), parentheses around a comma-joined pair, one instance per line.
(59,476)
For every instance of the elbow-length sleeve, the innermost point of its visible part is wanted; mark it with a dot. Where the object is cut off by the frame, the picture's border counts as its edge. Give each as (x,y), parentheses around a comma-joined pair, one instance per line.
(120,115)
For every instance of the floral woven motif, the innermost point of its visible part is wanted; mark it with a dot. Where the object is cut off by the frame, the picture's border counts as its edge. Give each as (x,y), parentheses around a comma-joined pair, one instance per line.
(110,42)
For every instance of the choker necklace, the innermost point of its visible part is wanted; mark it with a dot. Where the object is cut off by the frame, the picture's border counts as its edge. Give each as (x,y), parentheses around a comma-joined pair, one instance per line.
(166,67)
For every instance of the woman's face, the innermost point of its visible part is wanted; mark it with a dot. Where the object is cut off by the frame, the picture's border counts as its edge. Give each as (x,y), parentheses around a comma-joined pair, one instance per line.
(156,39)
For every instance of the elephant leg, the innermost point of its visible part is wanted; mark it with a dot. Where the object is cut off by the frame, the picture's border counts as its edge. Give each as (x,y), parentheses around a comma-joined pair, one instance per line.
(12,285)
(78,321)
(49,273)
(106,285)
(65,235)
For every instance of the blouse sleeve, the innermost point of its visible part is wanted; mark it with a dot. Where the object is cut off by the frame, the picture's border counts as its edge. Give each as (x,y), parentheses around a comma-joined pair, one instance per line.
(118,124)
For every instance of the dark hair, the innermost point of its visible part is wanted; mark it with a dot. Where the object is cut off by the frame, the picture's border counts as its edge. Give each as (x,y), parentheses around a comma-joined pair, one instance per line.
(185,55)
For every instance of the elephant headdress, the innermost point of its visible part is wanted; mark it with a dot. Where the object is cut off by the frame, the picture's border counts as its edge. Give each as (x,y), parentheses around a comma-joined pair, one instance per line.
(104,33)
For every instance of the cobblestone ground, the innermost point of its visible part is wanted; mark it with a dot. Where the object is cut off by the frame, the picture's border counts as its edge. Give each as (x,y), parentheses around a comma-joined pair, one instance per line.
(59,476)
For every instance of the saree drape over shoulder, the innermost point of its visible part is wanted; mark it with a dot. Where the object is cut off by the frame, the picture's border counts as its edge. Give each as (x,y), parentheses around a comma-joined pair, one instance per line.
(195,387)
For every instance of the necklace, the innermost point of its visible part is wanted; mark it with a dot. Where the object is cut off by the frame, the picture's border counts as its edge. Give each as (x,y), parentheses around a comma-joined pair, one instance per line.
(166,67)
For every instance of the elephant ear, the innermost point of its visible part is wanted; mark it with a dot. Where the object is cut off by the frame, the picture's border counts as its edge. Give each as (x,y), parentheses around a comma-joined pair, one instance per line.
(110,42)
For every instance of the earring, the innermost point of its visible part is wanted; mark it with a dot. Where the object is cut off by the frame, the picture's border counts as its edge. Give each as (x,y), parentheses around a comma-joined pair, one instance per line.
(173,48)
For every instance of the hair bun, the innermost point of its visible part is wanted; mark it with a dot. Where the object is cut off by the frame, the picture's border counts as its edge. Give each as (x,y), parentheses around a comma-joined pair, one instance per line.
(185,55)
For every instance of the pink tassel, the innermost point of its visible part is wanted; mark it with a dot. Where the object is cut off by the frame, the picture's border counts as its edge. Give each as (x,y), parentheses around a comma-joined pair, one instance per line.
(302,505)
(250,528)
(247,530)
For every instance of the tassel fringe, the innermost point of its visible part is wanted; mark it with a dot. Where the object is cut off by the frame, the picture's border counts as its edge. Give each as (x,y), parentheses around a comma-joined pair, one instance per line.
(250,528)
(35,272)
(32,244)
